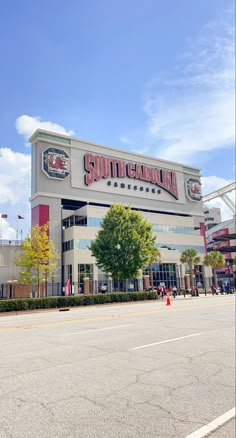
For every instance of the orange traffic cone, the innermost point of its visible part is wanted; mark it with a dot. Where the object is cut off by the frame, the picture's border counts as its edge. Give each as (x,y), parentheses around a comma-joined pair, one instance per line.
(168,302)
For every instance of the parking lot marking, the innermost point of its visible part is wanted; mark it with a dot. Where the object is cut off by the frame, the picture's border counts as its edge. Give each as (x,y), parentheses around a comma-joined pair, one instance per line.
(213,425)
(98,330)
(164,342)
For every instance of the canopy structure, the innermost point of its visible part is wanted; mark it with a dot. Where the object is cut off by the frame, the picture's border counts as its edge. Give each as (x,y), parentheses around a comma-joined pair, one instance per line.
(223,194)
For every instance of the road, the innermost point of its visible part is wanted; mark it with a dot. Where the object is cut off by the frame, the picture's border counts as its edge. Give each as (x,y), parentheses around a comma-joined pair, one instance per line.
(119,371)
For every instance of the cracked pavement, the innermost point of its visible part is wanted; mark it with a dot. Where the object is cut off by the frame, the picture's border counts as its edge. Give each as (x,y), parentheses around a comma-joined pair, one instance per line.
(55,383)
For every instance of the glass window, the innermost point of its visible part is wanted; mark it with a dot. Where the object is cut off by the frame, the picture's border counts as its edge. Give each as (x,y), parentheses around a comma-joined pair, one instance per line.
(163,273)
(94,222)
(84,271)
(82,243)
(180,248)
(172,229)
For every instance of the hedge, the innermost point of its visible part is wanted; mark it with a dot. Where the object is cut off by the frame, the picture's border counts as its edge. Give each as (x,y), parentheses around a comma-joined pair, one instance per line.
(73,301)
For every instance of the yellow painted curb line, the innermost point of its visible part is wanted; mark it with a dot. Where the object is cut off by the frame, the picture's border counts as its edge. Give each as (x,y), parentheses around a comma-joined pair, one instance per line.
(106,318)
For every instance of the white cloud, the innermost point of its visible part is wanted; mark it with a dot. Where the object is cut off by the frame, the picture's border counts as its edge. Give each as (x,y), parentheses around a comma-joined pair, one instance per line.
(192,108)
(212,183)
(7,232)
(26,125)
(15,176)
(15,169)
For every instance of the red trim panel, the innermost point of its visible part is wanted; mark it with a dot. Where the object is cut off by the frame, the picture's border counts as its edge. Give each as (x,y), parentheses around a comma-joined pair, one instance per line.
(40,215)
(203,233)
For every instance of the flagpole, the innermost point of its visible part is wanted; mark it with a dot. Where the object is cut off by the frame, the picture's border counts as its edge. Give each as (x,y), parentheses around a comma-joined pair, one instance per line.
(17,228)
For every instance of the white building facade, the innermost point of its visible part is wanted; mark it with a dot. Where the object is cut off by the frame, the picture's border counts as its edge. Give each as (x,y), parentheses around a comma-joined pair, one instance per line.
(212,217)
(73,184)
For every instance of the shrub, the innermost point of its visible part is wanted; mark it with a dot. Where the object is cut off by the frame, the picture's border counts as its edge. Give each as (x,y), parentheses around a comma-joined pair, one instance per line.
(73,301)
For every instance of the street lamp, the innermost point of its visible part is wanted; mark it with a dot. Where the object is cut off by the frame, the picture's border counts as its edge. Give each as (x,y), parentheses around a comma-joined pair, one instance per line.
(62,255)
(33,286)
(228,264)
(52,283)
(118,280)
(46,277)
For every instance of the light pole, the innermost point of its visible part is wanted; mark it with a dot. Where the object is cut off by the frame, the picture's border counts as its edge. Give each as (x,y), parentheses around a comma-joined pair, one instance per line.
(52,283)
(46,277)
(62,259)
(118,280)
(228,265)
(33,286)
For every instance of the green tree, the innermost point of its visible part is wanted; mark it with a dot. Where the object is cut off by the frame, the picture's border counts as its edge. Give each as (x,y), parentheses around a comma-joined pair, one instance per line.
(154,258)
(38,257)
(190,256)
(214,259)
(124,243)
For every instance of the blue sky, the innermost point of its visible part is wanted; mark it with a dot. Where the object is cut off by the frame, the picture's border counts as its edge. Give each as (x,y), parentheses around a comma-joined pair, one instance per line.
(150,76)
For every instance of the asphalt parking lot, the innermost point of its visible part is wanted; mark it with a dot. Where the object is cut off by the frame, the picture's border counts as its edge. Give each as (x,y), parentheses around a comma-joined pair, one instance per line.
(127,370)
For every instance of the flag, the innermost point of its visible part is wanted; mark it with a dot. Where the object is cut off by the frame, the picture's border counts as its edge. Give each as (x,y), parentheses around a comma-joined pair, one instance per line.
(67,288)
(3,216)
(20,217)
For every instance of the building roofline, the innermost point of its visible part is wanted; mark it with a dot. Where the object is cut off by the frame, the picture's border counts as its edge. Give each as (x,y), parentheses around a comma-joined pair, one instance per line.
(68,137)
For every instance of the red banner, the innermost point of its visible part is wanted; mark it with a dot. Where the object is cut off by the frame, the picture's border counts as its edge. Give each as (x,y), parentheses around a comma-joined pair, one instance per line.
(67,288)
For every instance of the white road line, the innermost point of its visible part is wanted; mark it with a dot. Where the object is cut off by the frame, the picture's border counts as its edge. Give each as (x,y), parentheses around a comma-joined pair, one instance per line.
(98,330)
(213,425)
(165,342)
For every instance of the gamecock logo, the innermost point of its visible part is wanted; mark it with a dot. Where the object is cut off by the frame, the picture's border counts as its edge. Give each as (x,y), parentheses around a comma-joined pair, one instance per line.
(194,189)
(56,163)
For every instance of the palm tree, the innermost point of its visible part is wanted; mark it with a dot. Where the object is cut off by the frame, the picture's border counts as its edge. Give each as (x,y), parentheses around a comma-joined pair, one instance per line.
(214,259)
(234,260)
(190,257)
(155,257)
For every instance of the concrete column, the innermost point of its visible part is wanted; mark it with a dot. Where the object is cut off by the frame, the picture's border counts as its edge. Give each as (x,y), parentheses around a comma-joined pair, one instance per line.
(187,281)
(140,280)
(207,273)
(86,286)
(182,274)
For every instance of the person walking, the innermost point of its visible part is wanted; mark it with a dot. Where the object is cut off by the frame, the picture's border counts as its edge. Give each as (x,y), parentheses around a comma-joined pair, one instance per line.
(174,291)
(162,292)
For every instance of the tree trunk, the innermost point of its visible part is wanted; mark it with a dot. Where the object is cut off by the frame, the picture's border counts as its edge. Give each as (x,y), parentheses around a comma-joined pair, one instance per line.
(151,275)
(38,285)
(215,277)
(191,276)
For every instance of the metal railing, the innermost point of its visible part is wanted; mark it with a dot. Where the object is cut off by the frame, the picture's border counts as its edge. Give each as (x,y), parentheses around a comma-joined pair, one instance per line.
(12,289)
(4,242)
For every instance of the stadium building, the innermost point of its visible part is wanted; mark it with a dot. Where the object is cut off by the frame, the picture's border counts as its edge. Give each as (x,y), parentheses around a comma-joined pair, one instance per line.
(74,182)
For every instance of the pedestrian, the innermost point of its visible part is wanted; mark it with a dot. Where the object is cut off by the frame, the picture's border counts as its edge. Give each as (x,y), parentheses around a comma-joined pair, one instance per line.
(213,289)
(162,292)
(174,291)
